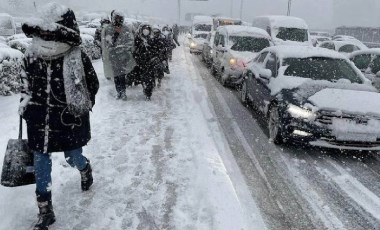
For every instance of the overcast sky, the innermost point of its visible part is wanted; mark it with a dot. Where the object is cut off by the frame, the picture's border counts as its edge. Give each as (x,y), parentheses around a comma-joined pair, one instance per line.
(319,14)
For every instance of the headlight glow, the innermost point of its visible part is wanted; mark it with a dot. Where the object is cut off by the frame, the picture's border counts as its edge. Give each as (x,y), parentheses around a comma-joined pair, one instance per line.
(298,112)
(232,61)
(211,51)
(193,44)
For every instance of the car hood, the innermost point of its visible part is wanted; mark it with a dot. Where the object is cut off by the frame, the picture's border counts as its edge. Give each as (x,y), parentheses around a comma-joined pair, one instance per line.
(347,101)
(244,56)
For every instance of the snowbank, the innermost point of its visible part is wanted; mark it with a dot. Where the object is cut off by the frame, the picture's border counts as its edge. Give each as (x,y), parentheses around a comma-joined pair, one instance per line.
(10,69)
(89,47)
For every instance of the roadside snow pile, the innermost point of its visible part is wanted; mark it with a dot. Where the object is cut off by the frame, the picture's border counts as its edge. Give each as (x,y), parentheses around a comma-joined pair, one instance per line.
(89,31)
(20,44)
(10,68)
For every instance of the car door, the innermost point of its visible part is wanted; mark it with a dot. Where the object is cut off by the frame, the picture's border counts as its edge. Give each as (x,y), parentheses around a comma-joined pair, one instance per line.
(214,47)
(262,80)
(252,90)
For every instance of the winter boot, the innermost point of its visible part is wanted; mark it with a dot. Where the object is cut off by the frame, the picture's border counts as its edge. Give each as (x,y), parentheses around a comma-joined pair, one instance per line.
(46,216)
(86,177)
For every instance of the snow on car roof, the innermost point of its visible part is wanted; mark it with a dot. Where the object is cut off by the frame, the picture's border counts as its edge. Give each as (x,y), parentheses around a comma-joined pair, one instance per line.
(235,29)
(286,21)
(303,52)
(375,51)
(202,19)
(5,15)
(339,44)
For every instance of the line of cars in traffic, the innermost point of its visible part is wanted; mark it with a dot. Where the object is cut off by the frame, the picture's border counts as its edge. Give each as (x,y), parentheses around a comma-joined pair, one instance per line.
(319,96)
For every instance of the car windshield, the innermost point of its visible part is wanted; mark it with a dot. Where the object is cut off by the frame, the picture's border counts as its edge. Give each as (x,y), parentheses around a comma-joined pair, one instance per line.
(375,65)
(204,36)
(250,44)
(321,68)
(362,61)
(5,23)
(202,27)
(292,34)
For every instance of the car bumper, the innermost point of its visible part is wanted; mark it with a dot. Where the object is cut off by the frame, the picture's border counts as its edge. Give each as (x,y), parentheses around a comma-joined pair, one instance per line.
(321,136)
(234,76)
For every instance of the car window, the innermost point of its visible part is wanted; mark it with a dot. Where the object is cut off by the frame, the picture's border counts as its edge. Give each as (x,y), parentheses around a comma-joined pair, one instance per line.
(216,39)
(321,68)
(328,45)
(348,48)
(250,44)
(362,61)
(272,64)
(222,40)
(292,34)
(262,57)
(375,65)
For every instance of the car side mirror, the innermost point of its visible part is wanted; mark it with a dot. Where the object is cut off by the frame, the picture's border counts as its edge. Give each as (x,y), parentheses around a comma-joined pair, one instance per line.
(266,73)
(378,74)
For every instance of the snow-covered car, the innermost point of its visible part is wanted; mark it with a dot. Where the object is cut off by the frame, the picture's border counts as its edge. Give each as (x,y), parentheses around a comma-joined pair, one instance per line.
(344,47)
(207,49)
(16,36)
(284,30)
(314,96)
(368,61)
(196,42)
(7,25)
(10,69)
(316,40)
(234,47)
(94,23)
(20,44)
(89,47)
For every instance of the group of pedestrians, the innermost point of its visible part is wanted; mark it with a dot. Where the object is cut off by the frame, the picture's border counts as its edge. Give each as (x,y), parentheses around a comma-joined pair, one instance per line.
(59,85)
(135,56)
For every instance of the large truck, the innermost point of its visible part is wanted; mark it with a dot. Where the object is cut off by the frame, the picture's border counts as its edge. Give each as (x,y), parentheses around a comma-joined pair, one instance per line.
(370,36)
(7,25)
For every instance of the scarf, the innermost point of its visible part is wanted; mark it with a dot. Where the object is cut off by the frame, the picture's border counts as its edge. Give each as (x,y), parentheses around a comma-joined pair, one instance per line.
(48,49)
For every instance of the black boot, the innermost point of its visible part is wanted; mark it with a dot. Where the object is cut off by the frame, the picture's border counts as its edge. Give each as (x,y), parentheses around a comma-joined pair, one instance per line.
(46,216)
(86,177)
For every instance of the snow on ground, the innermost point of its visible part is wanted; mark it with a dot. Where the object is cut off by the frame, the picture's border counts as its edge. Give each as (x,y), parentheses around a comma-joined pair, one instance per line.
(156,165)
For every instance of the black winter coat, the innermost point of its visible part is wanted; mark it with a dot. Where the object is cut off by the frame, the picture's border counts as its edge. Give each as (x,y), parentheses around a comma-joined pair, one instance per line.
(159,47)
(143,53)
(50,127)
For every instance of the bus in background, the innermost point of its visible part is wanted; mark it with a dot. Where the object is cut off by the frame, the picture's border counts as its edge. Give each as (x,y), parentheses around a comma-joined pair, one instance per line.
(7,25)
(225,21)
(284,30)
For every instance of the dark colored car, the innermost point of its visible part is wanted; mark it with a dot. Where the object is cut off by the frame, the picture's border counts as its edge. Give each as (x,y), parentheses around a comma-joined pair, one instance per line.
(313,96)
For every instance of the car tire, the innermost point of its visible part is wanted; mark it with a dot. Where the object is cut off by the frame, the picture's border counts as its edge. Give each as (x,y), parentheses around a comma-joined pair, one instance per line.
(243,94)
(213,70)
(274,125)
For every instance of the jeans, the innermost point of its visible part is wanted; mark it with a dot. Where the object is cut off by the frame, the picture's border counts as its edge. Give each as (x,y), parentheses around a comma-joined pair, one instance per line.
(42,169)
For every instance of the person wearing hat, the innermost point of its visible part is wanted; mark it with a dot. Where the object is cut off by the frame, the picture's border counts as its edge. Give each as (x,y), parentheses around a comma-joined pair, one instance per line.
(59,85)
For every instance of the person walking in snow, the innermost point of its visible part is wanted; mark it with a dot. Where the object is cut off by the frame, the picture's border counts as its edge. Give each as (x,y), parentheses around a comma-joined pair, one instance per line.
(176,34)
(170,44)
(59,85)
(159,52)
(119,46)
(98,32)
(145,58)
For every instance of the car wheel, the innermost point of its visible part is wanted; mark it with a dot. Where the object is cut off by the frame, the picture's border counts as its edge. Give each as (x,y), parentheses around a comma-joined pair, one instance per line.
(223,79)
(213,70)
(243,93)
(274,125)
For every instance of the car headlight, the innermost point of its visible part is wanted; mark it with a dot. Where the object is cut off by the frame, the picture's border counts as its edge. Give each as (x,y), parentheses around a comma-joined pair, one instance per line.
(193,44)
(211,51)
(232,61)
(298,112)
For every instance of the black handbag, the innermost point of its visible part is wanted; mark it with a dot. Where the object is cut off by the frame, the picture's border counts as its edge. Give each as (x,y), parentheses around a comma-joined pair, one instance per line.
(18,165)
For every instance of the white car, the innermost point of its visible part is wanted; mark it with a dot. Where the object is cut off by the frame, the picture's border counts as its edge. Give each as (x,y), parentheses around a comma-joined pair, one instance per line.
(368,61)
(234,47)
(344,47)
(197,41)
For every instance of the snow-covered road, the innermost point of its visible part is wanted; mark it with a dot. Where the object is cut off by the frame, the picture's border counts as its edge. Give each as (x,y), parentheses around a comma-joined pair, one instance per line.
(163,164)
(294,187)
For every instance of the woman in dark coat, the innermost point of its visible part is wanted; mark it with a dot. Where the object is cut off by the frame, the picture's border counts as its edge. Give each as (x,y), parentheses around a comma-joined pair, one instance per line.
(145,58)
(59,88)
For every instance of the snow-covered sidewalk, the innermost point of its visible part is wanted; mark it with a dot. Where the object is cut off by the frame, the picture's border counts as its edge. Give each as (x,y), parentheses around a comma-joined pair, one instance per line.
(161,164)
